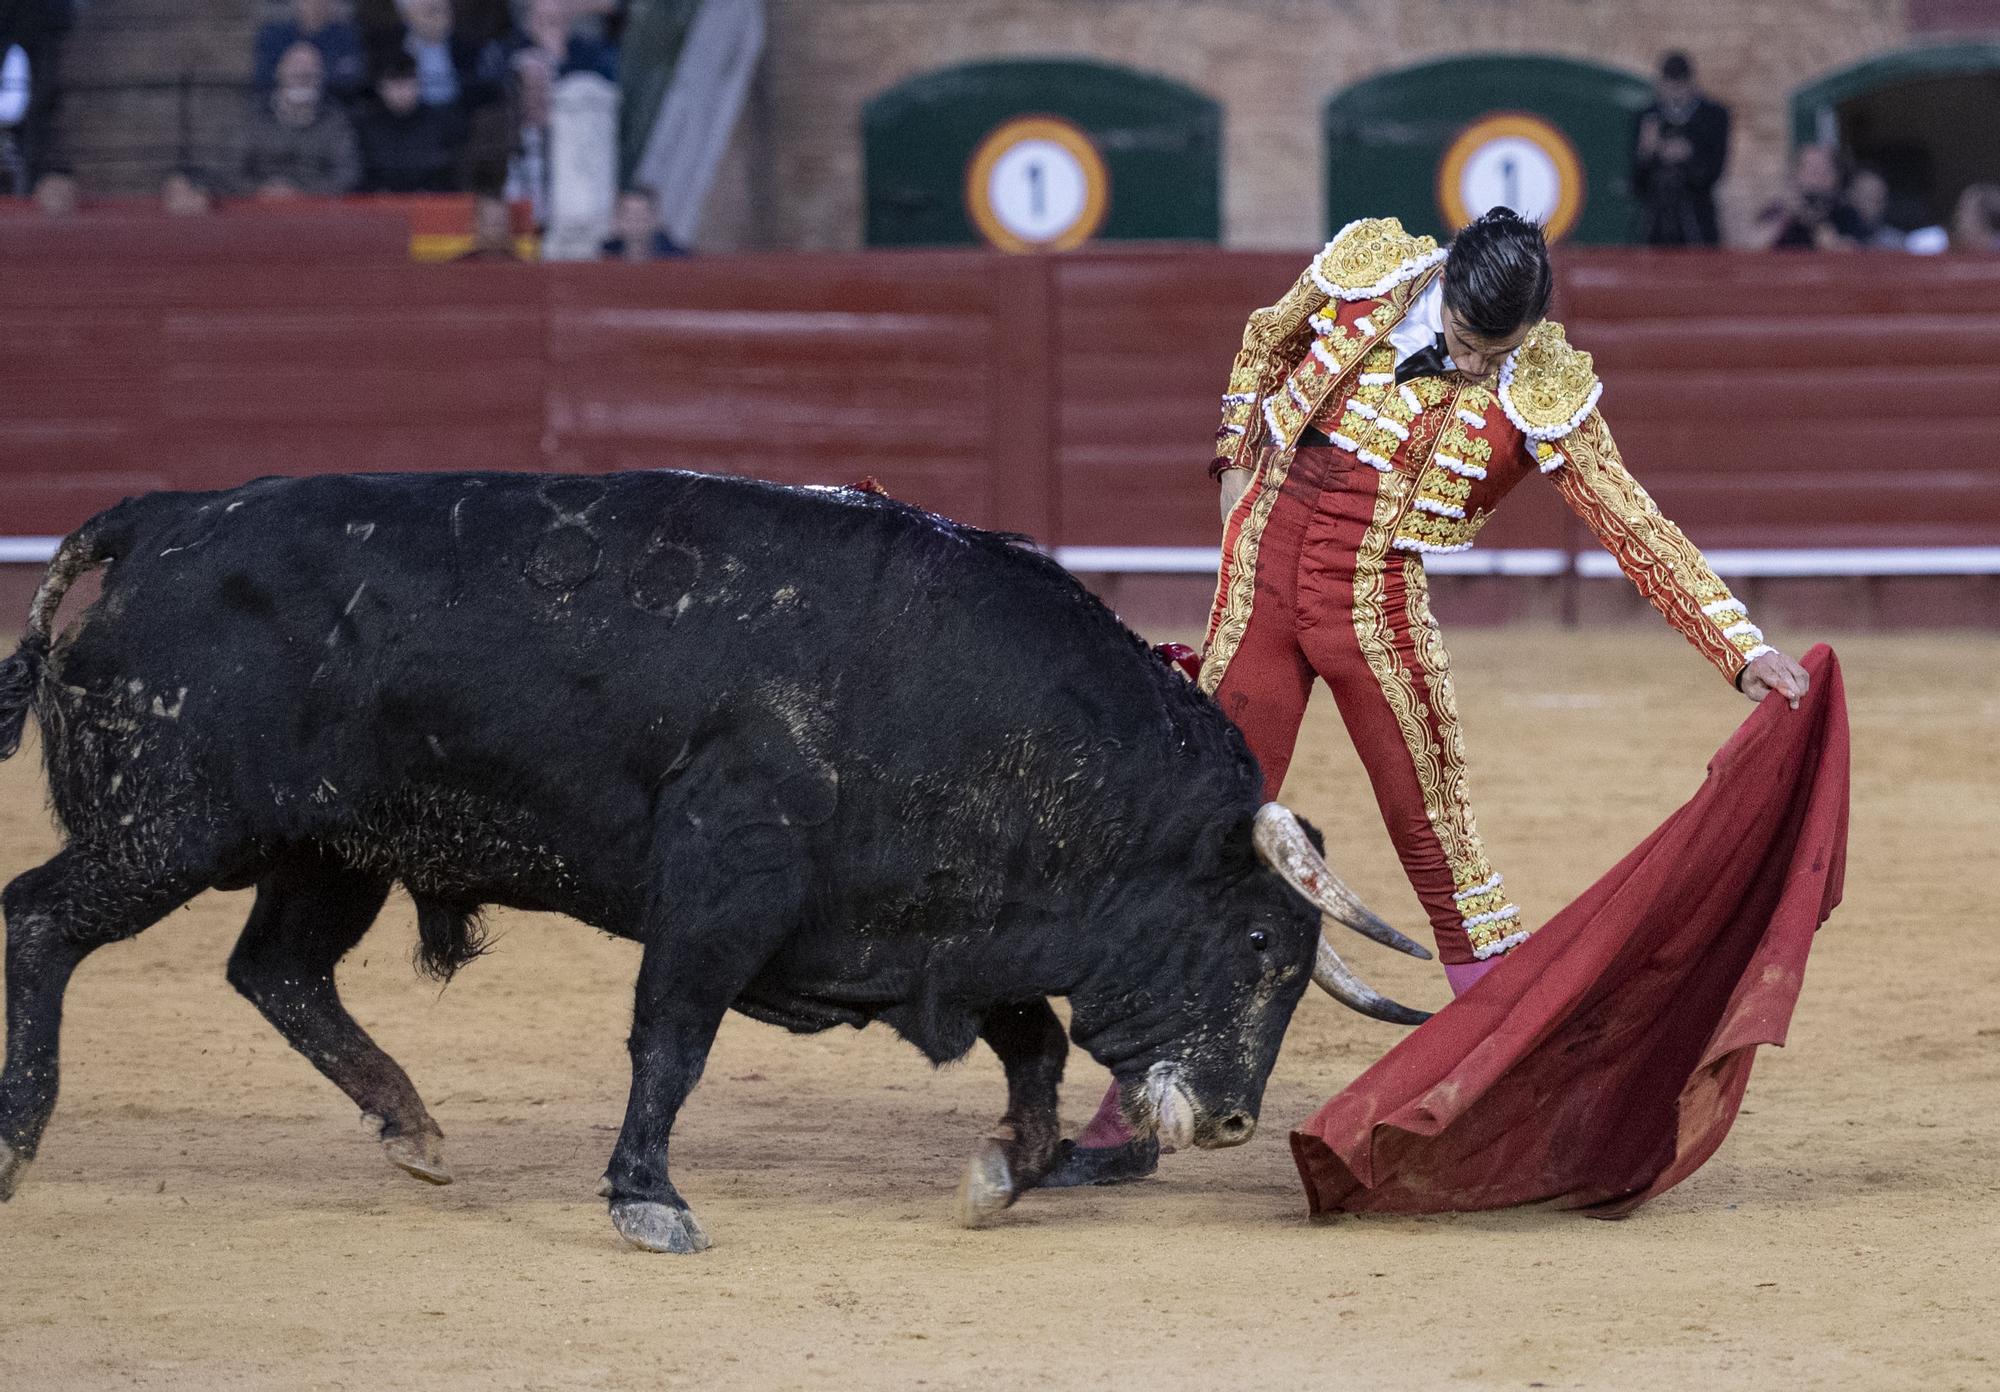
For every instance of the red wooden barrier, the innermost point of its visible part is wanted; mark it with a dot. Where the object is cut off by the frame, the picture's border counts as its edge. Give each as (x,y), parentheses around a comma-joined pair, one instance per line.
(1766,400)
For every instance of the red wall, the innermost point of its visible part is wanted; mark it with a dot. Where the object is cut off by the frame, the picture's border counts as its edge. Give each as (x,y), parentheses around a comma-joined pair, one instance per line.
(1766,400)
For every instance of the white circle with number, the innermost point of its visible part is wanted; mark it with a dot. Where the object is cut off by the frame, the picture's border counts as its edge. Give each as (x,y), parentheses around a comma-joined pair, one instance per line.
(1037,183)
(1514,172)
(1038,190)
(1516,159)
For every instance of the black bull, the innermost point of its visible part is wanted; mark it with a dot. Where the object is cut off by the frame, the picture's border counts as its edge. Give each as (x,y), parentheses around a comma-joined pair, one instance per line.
(828,758)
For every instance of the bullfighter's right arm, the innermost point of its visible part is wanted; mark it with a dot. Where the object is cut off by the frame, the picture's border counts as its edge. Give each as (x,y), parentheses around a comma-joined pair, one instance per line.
(1276,337)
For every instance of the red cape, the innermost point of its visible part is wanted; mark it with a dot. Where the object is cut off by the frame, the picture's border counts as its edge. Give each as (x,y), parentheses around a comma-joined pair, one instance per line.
(1603,1060)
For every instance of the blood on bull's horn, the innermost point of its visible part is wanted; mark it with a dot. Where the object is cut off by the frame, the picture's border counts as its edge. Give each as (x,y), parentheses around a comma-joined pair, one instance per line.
(1283,845)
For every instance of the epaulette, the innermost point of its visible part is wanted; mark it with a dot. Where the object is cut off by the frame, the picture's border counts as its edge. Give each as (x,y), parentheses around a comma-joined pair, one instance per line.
(1369,258)
(1548,388)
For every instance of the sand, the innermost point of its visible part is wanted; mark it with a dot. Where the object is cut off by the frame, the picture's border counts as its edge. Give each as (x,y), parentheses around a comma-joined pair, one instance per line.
(206,1212)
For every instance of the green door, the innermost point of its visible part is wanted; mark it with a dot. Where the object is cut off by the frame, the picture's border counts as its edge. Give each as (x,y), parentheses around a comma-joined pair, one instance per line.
(1041,156)
(1438,144)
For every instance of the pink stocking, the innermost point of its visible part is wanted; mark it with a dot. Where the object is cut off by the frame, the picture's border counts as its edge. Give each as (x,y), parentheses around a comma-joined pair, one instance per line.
(1462,975)
(1108,1127)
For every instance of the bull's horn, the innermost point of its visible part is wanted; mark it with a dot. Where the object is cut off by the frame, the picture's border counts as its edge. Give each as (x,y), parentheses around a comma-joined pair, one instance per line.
(1331,975)
(1283,845)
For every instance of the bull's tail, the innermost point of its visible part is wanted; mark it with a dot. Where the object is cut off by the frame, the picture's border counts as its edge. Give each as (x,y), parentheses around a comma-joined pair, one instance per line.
(20,674)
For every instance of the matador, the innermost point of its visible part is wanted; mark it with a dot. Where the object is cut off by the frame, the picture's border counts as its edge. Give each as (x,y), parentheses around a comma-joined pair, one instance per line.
(1377,415)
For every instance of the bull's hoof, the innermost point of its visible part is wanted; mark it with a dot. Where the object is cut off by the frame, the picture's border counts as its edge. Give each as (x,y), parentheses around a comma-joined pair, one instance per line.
(658,1227)
(13,1165)
(988,1186)
(421,1155)
(1077,1164)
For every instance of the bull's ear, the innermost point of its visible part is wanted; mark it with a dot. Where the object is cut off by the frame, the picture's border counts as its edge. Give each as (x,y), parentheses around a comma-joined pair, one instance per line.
(1313,835)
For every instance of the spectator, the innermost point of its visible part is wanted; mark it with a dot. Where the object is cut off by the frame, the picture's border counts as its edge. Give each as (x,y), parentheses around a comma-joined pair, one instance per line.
(185,193)
(38,28)
(298,141)
(339,43)
(1810,214)
(552,36)
(407,147)
(1975,221)
(492,231)
(452,70)
(636,234)
(1677,159)
(1868,197)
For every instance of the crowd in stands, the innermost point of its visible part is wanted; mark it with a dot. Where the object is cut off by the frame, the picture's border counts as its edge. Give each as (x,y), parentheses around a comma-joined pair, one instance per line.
(372,97)
(456,96)
(1679,151)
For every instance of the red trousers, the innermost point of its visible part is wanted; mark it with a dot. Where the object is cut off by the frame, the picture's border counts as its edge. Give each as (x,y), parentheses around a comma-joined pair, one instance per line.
(1332,599)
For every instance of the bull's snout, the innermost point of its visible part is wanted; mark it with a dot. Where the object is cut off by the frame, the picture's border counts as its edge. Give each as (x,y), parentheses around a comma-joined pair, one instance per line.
(1183,1122)
(1234,1129)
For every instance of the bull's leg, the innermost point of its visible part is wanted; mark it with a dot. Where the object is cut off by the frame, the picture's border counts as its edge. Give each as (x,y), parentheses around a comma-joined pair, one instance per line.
(57,914)
(1014,1156)
(309,913)
(680,1003)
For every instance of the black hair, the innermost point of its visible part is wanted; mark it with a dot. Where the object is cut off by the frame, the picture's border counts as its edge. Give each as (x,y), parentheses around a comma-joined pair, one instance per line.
(1675,67)
(395,67)
(1497,278)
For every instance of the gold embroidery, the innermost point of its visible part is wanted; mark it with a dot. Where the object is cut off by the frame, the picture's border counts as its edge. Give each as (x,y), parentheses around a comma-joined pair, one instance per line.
(1364,259)
(1492,924)
(1666,567)
(1272,341)
(1236,588)
(1432,391)
(1438,759)
(1548,385)
(1464,446)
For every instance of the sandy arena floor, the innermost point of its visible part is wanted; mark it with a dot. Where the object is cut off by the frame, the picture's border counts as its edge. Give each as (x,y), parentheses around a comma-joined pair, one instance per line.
(206,1213)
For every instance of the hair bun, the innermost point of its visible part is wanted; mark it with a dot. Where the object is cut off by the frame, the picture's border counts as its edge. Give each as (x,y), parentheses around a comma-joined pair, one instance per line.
(1500,212)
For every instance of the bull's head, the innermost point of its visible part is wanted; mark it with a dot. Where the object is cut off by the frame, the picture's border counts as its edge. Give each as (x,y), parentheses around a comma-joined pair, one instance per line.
(1193,1050)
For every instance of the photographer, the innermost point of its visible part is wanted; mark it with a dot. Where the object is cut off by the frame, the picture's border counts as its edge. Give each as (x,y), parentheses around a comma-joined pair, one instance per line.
(1677,158)
(1811,214)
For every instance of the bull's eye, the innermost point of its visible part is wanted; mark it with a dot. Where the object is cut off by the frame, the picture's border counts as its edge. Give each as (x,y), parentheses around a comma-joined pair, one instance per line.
(1259,939)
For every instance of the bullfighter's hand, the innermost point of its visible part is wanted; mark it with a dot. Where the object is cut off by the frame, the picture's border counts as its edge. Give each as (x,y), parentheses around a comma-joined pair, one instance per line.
(1234,482)
(1773,671)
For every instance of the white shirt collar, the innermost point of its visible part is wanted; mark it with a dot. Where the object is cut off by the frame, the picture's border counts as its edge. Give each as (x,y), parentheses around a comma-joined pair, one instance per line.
(1419,328)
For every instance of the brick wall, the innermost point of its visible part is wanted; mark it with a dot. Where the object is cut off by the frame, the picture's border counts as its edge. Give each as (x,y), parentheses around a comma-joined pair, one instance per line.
(155,83)
(1271,63)
(793,178)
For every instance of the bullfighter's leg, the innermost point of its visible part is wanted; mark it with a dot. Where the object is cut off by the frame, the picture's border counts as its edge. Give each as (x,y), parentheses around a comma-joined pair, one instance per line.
(1386,664)
(57,914)
(1014,1156)
(309,913)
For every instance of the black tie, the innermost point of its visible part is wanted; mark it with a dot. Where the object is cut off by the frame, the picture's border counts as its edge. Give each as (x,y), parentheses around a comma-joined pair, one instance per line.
(1425,362)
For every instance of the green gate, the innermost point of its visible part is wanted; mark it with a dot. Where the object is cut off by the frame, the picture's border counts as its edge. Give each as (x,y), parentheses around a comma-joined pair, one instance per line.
(1041,155)
(1438,144)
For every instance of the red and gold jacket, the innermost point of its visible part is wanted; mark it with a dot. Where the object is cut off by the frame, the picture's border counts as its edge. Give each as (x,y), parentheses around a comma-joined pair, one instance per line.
(1321,356)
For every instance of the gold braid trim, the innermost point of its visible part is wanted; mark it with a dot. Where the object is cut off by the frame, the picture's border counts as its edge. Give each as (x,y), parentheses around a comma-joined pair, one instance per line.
(1451,806)
(1275,338)
(1655,555)
(1236,590)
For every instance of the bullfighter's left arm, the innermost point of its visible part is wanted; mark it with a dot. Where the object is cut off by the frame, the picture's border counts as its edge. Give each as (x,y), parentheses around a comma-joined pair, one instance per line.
(1654,554)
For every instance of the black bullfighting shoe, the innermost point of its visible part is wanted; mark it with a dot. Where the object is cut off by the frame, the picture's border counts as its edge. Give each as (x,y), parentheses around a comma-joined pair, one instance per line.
(1119,1164)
